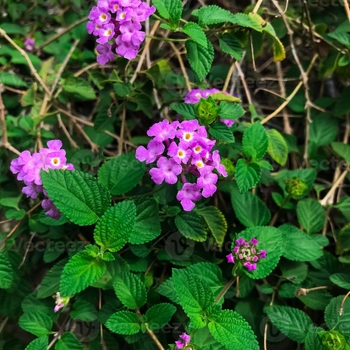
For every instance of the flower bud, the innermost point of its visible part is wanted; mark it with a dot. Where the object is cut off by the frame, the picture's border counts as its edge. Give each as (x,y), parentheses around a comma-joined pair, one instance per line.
(230,168)
(207,110)
(333,340)
(296,187)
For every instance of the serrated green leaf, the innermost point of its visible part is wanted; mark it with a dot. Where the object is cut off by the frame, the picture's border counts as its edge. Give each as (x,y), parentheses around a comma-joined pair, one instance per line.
(159,315)
(270,239)
(38,344)
(81,271)
(121,174)
(7,274)
(78,195)
(214,15)
(342,150)
(344,206)
(124,322)
(277,148)
(290,321)
(333,318)
(9,79)
(68,341)
(323,129)
(216,223)
(231,111)
(130,290)
(231,45)
(316,300)
(147,226)
(185,109)
(279,53)
(192,226)
(122,89)
(113,230)
(311,215)
(247,175)
(221,132)
(233,331)
(36,322)
(79,86)
(200,58)
(312,340)
(341,279)
(249,208)
(169,9)
(195,32)
(255,138)
(299,246)
(167,290)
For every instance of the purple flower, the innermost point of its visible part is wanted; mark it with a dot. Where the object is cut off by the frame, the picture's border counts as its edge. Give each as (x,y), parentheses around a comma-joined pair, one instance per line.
(58,307)
(100,16)
(230,258)
(125,15)
(105,53)
(29,45)
(227,122)
(178,154)
(262,254)
(128,30)
(50,209)
(240,241)
(207,181)
(103,4)
(163,131)
(254,241)
(189,194)
(193,96)
(105,33)
(93,28)
(142,12)
(130,3)
(32,190)
(217,165)
(250,266)
(126,49)
(183,342)
(167,171)
(151,153)
(114,5)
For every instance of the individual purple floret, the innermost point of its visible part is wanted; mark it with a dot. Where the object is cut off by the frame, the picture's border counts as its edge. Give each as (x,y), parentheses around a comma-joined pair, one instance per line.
(117,23)
(246,253)
(183,342)
(29,45)
(28,166)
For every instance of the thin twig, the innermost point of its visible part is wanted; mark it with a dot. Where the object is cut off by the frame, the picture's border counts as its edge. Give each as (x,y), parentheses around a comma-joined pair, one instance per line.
(61,124)
(241,75)
(340,179)
(154,338)
(225,289)
(229,76)
(122,130)
(27,251)
(257,6)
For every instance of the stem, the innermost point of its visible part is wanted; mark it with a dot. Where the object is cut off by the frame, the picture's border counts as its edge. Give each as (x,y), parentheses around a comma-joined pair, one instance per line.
(154,338)
(165,39)
(225,289)
(342,304)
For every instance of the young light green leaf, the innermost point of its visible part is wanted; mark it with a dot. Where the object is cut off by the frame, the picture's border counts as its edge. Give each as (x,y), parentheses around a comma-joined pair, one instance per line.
(221,132)
(159,315)
(121,174)
(113,230)
(36,322)
(247,175)
(311,215)
(170,9)
(277,149)
(214,15)
(231,111)
(192,226)
(333,318)
(290,321)
(79,86)
(299,246)
(341,279)
(255,142)
(81,271)
(130,290)
(38,344)
(312,340)
(200,57)
(230,44)
(279,53)
(195,32)
(216,223)
(9,79)
(185,109)
(124,322)
(233,331)
(78,195)
(68,341)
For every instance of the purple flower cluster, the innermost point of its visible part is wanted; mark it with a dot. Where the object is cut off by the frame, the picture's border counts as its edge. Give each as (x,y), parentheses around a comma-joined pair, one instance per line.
(120,21)
(183,342)
(29,45)
(179,149)
(246,253)
(28,167)
(194,96)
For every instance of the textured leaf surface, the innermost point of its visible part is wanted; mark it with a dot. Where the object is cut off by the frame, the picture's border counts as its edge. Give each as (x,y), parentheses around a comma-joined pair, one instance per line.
(195,32)
(121,174)
(229,44)
(290,321)
(38,344)
(185,109)
(323,129)
(311,215)
(169,9)
(255,142)
(277,149)
(247,175)
(342,150)
(159,315)
(336,321)
(6,271)
(114,228)
(68,341)
(231,110)
(233,331)
(192,226)
(78,195)
(81,271)
(130,290)
(298,245)
(341,279)
(36,322)
(312,340)
(221,132)
(124,322)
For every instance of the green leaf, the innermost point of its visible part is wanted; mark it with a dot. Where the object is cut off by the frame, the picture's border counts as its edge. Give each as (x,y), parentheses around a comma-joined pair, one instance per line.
(192,226)
(312,340)
(231,111)
(78,195)
(68,341)
(7,274)
(270,239)
(121,174)
(36,322)
(333,318)
(169,9)
(147,226)
(159,315)
(79,86)
(279,53)
(344,206)
(81,271)
(51,282)
(122,89)
(311,215)
(341,279)
(200,58)
(187,110)
(342,150)
(9,79)
(124,322)
(193,294)
(216,223)
(290,321)
(247,175)
(130,290)
(167,289)
(214,15)
(113,230)
(233,331)
(316,300)
(231,45)
(255,142)
(195,32)
(299,246)
(323,129)
(278,148)
(38,344)
(250,210)
(221,132)
(342,105)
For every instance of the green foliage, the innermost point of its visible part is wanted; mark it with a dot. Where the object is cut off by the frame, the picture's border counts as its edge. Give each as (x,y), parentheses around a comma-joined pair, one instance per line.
(277,148)
(192,226)
(255,142)
(195,32)
(171,10)
(159,315)
(36,322)
(68,342)
(124,322)
(311,215)
(221,132)
(247,175)
(338,319)
(231,110)
(231,45)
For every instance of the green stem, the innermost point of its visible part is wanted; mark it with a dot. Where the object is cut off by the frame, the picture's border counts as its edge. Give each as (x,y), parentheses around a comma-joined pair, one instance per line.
(225,289)
(165,39)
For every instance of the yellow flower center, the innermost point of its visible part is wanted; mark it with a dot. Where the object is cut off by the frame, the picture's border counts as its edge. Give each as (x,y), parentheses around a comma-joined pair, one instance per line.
(103,17)
(188,136)
(200,164)
(108,32)
(122,16)
(55,161)
(181,153)
(197,149)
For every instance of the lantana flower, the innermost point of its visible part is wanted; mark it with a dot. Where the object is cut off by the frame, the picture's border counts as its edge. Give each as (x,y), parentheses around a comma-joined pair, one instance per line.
(183,342)
(29,45)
